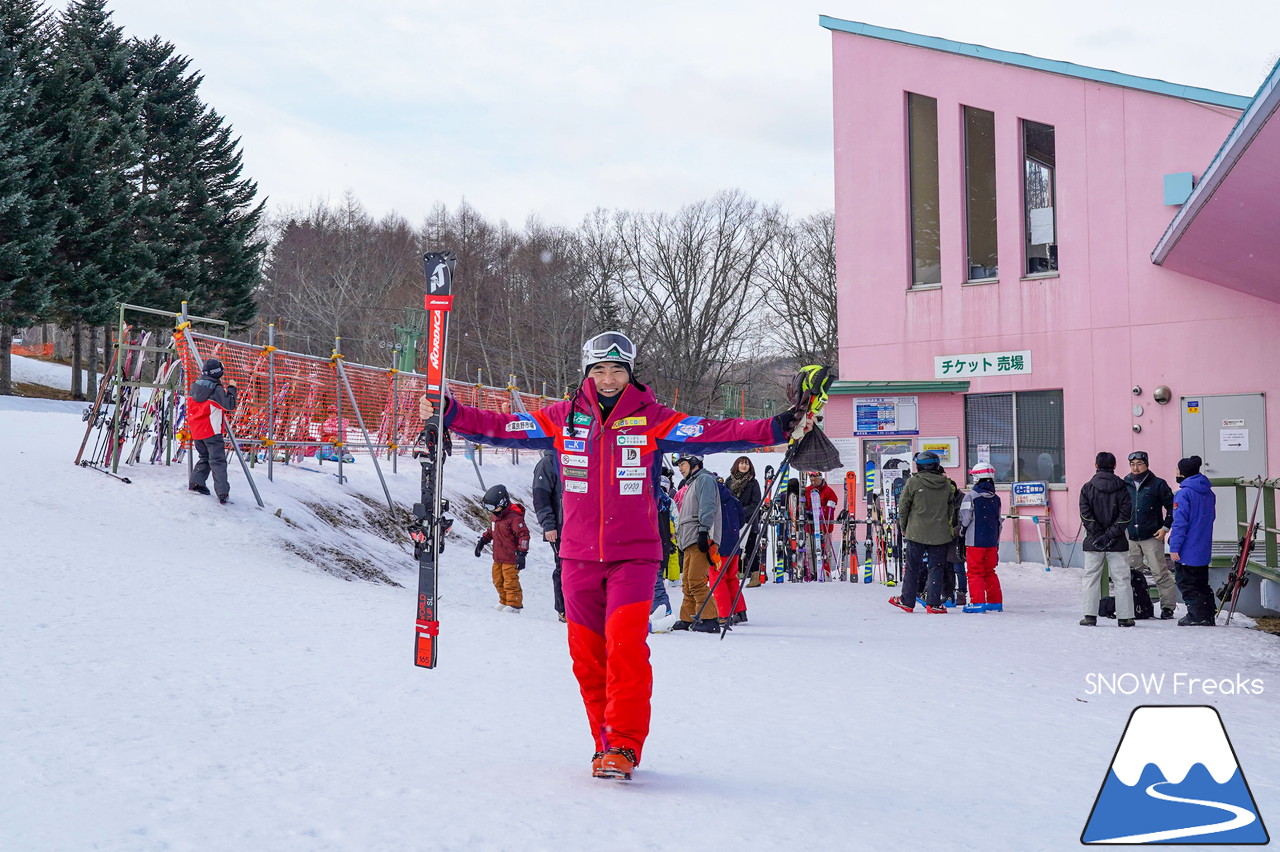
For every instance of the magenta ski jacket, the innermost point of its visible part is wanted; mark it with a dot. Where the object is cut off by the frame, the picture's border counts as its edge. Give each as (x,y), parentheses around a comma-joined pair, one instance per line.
(609,469)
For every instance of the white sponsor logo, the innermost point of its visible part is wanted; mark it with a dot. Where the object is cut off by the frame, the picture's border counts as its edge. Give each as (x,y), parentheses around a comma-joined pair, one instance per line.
(690,430)
(631,473)
(630,487)
(631,456)
(575,446)
(521,426)
(632,440)
(573,461)
(575,486)
(580,431)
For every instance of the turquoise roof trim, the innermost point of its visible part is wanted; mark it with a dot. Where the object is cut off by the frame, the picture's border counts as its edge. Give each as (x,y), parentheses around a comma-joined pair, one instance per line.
(1052,66)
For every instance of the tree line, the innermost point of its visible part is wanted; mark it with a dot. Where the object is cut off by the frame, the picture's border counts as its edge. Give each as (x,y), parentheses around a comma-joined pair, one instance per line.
(724,297)
(117,182)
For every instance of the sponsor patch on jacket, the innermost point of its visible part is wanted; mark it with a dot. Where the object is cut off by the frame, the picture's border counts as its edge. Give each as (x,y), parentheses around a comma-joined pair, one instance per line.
(521,426)
(575,446)
(689,430)
(631,456)
(631,487)
(579,431)
(633,440)
(576,487)
(580,419)
(567,460)
(631,473)
(630,421)
(575,472)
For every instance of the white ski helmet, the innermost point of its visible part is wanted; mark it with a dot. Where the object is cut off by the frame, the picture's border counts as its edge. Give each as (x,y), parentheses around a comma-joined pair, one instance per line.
(982,470)
(613,346)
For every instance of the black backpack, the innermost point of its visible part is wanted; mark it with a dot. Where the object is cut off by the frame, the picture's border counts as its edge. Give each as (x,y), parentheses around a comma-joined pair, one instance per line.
(1142,605)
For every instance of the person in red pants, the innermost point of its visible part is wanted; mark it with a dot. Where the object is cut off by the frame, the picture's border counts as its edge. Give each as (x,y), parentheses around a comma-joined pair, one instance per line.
(610,436)
(981,520)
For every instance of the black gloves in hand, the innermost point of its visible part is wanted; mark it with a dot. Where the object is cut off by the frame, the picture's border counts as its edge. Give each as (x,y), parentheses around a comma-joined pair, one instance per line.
(704,542)
(479,548)
(521,556)
(786,421)
(840,518)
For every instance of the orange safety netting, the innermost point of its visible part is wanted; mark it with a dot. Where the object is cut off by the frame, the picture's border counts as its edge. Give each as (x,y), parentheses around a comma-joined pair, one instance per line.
(300,402)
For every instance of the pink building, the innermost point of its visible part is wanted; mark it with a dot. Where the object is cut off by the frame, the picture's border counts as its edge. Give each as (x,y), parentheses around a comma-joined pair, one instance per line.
(1039,260)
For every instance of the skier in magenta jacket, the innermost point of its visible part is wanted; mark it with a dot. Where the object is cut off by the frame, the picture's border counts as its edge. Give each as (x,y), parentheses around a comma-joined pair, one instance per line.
(610,437)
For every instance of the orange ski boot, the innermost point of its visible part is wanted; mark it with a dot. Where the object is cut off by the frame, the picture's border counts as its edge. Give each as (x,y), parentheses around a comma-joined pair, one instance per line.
(597,765)
(617,763)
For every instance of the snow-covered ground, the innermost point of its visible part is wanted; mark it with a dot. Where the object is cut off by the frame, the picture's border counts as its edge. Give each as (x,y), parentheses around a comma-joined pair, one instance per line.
(174,678)
(39,372)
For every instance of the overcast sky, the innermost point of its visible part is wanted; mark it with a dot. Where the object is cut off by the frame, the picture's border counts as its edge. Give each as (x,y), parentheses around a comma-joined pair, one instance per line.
(555,107)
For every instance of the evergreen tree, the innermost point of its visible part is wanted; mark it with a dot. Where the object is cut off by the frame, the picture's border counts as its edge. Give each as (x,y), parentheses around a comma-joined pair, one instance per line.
(197,211)
(97,136)
(28,195)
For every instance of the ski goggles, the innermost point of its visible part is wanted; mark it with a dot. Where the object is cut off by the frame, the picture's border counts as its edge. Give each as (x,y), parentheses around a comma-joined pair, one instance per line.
(609,346)
(1138,456)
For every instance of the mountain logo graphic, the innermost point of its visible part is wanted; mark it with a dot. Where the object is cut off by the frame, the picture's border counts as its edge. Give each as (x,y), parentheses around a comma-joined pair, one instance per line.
(1175,779)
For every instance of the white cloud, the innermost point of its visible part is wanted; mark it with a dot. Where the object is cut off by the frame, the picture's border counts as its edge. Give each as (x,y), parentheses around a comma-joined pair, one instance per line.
(558,106)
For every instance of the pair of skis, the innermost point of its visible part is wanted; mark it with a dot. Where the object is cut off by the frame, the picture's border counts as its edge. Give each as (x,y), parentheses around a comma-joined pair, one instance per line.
(1238,578)
(430,524)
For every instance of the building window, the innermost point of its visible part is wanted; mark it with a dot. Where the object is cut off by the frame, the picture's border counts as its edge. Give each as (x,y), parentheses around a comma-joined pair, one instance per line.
(922,133)
(1023,433)
(980,192)
(1039,193)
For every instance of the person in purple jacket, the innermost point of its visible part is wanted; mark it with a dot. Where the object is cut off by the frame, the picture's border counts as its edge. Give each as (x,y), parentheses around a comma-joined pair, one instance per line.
(1191,542)
(610,437)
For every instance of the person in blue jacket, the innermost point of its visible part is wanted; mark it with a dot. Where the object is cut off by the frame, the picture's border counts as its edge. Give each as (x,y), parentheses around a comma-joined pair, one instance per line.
(1191,542)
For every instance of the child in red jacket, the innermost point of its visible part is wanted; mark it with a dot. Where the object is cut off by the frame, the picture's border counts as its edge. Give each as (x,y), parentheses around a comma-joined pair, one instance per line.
(510,539)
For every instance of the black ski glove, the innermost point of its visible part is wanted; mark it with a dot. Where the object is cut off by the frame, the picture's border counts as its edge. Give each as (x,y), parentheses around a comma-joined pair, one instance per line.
(521,556)
(479,548)
(704,541)
(786,421)
(844,514)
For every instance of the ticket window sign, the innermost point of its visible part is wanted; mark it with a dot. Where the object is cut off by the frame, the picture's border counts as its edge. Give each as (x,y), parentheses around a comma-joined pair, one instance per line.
(1030,493)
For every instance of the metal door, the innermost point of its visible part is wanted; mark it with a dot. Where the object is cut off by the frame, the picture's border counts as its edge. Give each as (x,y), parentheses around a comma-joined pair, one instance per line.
(1228,431)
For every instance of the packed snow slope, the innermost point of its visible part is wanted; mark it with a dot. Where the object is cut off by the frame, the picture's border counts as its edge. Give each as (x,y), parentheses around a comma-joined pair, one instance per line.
(177,676)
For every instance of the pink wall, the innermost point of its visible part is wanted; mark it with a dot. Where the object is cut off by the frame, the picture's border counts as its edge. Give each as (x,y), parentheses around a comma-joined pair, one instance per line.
(1110,320)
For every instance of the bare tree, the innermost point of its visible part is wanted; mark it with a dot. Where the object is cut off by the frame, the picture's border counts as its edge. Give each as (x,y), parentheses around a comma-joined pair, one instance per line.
(799,273)
(690,287)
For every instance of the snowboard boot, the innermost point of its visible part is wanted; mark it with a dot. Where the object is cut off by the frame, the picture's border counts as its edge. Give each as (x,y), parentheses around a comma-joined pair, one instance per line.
(900,605)
(974,607)
(1166,613)
(936,610)
(515,609)
(741,617)
(224,499)
(681,625)
(199,489)
(617,763)
(706,625)
(995,607)
(563,620)
(949,603)
(1126,622)
(1089,621)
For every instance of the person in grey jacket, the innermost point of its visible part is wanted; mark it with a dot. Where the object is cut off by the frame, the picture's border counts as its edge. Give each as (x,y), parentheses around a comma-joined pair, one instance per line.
(1105,510)
(697,531)
(546,504)
(1149,527)
(924,514)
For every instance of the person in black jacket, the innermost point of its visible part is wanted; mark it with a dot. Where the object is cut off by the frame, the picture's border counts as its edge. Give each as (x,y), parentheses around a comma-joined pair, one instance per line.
(1147,532)
(1105,510)
(742,483)
(547,506)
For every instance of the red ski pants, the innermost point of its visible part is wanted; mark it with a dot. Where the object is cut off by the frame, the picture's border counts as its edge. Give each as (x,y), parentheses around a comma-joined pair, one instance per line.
(980,566)
(727,588)
(607,607)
